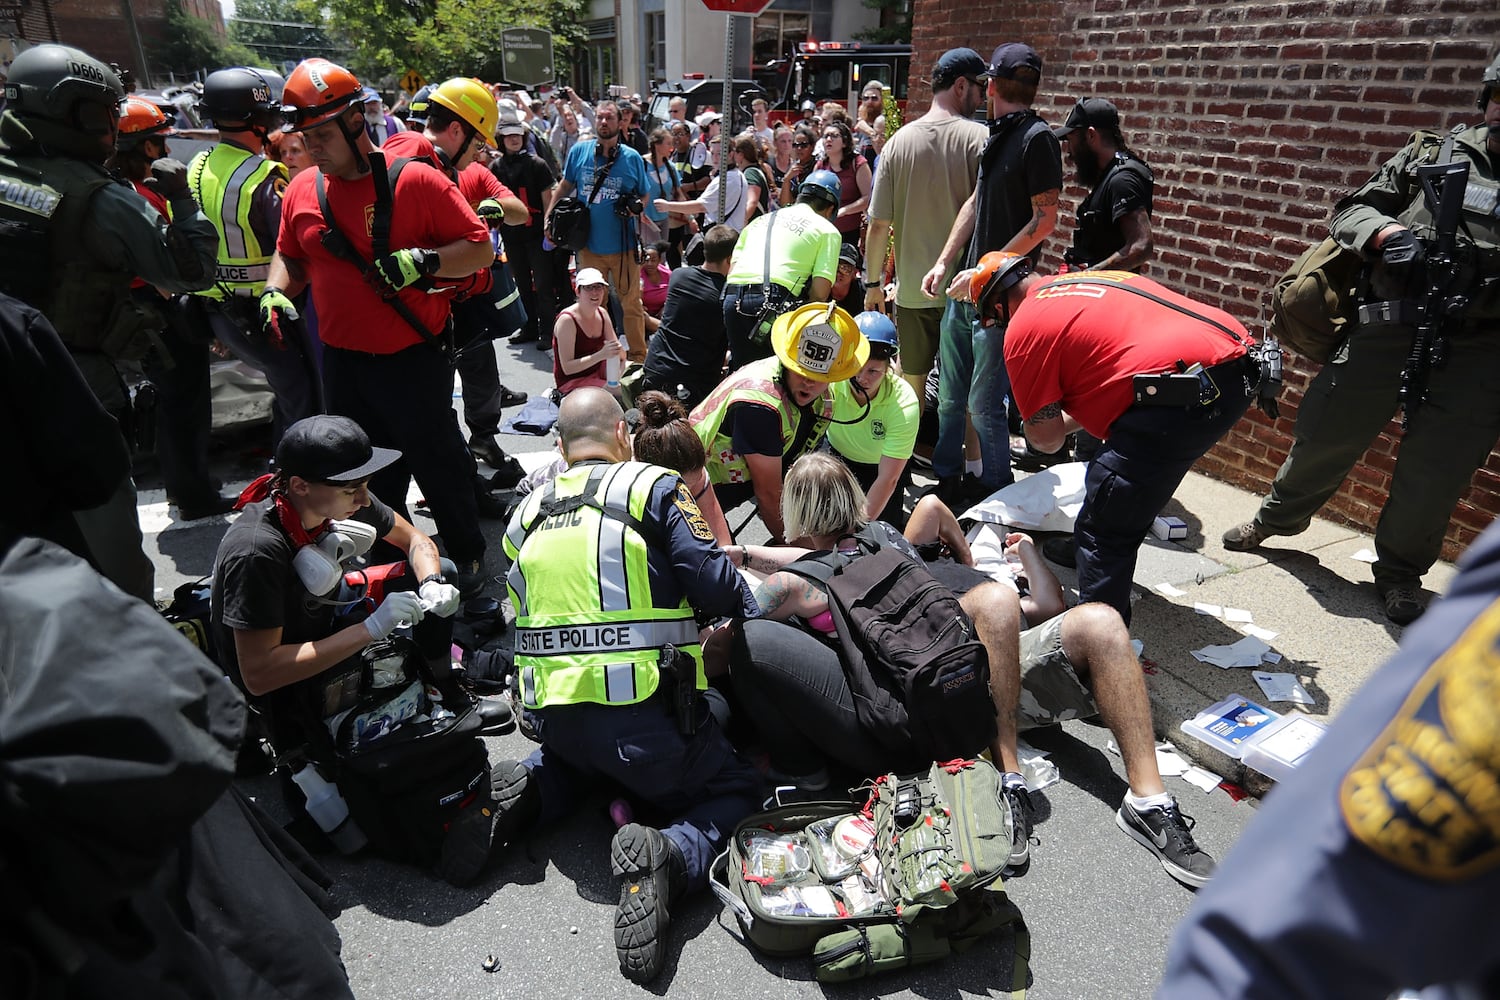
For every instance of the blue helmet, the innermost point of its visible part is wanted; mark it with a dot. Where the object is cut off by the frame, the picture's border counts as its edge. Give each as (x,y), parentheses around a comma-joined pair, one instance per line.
(823,185)
(416,108)
(880,332)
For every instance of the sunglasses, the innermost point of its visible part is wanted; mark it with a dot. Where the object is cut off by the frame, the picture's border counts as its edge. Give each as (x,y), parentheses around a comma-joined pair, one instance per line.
(801,145)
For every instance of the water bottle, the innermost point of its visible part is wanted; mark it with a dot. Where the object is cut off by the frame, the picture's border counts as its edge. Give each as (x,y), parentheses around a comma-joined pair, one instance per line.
(612,371)
(329,810)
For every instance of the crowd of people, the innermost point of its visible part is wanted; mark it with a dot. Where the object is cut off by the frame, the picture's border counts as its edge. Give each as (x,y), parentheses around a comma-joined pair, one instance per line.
(761,326)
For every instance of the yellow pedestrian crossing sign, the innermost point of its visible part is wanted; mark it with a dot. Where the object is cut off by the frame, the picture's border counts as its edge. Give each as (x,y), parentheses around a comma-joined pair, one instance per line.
(411,81)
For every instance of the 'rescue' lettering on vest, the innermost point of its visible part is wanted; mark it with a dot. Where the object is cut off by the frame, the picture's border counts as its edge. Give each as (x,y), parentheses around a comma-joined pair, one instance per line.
(44,262)
(224,180)
(580,581)
(755,384)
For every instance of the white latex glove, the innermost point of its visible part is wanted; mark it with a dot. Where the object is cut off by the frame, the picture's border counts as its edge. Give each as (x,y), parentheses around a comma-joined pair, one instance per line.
(400,608)
(438,598)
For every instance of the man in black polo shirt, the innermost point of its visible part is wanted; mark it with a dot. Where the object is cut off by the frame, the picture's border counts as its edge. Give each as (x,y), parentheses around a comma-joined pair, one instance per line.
(687,350)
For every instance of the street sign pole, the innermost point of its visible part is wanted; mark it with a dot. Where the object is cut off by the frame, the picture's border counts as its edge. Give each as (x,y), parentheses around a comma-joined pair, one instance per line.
(726,119)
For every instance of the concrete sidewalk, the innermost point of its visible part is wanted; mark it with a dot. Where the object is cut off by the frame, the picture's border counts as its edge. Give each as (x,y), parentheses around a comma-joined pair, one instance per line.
(1331,625)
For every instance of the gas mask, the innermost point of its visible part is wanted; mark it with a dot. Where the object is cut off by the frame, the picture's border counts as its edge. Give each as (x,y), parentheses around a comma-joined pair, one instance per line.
(320,566)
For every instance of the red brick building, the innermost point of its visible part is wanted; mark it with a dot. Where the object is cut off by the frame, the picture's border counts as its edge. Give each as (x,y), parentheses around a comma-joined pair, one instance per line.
(1255,117)
(106,29)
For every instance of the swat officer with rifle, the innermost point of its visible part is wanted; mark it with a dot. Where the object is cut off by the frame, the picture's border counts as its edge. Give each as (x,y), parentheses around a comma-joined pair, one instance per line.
(1428,227)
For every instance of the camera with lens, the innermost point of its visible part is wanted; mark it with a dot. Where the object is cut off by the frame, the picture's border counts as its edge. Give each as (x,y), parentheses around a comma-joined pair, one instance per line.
(628,205)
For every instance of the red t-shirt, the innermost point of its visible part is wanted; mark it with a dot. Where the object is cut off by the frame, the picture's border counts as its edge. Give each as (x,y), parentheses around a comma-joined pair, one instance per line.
(429,212)
(1081,346)
(475,183)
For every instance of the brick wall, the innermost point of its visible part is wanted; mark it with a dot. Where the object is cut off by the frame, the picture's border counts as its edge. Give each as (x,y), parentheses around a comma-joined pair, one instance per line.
(98,27)
(1255,117)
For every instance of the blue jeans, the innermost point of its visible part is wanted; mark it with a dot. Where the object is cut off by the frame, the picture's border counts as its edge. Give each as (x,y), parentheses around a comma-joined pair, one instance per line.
(698,780)
(973,379)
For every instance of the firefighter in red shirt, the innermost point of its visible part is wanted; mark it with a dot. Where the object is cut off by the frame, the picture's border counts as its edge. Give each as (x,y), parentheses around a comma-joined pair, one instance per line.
(453,129)
(384,362)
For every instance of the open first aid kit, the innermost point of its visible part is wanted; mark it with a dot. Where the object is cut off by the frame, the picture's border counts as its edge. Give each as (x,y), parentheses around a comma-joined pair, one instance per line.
(910,877)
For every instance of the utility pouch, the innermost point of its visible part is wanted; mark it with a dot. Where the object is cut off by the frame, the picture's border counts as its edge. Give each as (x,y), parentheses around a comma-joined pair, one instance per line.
(1393,312)
(680,682)
(130,331)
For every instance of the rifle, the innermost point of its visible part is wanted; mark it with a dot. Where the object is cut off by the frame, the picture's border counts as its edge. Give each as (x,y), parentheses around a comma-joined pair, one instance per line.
(1443,186)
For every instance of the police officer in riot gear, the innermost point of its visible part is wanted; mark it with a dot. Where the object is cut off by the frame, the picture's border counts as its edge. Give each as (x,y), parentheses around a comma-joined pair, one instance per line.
(240,191)
(1457,419)
(75,237)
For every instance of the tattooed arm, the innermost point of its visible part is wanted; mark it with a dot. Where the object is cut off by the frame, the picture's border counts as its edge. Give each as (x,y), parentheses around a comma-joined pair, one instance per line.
(1048,427)
(785,595)
(1043,220)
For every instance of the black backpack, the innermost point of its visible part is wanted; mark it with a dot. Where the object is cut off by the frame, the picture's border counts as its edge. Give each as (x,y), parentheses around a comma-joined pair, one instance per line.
(919,676)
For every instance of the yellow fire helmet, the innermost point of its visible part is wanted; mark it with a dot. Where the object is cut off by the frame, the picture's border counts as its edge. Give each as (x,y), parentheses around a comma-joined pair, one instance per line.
(472,102)
(820,341)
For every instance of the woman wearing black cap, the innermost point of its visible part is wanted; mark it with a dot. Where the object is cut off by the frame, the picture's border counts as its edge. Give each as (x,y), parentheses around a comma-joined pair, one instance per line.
(289,630)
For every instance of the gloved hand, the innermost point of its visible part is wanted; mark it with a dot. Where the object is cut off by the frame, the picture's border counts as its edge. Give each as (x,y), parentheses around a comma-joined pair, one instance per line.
(275,310)
(490,210)
(169,178)
(401,268)
(441,598)
(1401,248)
(401,608)
(1266,398)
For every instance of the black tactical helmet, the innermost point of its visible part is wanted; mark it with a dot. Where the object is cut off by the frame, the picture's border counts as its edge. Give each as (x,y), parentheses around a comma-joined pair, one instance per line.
(1491,84)
(65,85)
(241,97)
(63,100)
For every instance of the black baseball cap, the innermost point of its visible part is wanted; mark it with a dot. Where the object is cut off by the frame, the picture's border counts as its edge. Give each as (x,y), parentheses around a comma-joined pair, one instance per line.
(1089,112)
(849,254)
(1015,61)
(956,63)
(329,449)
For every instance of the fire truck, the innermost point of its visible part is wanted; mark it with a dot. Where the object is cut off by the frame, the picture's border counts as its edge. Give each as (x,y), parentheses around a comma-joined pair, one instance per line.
(832,71)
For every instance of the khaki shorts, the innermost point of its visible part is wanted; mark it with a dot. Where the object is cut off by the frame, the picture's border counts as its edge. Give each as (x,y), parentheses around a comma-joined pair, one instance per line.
(918,332)
(1050,691)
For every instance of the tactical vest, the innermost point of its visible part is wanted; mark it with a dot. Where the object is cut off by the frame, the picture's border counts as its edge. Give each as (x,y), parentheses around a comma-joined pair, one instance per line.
(1096,235)
(224,180)
(44,260)
(755,384)
(586,629)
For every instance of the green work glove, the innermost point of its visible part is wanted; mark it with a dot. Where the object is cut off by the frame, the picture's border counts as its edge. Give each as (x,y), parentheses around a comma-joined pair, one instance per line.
(402,268)
(276,310)
(490,210)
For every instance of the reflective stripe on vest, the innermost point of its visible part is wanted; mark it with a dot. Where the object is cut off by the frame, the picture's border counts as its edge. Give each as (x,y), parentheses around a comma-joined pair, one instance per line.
(224,180)
(756,384)
(586,630)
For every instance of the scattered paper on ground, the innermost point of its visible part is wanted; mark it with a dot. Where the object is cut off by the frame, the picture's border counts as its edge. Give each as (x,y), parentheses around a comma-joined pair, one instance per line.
(1263,634)
(1239,615)
(1137,645)
(1045,501)
(1167,590)
(1248,652)
(1212,610)
(1168,762)
(1364,555)
(1202,778)
(1282,687)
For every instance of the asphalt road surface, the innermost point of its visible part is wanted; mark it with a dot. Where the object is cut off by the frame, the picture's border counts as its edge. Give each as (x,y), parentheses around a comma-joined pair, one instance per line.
(1100,909)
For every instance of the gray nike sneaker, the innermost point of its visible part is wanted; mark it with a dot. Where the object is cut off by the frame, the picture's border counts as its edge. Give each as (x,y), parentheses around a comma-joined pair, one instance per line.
(1167,833)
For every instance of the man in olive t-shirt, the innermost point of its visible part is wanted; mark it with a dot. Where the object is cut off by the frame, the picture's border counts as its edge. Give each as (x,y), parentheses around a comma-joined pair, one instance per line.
(925,173)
